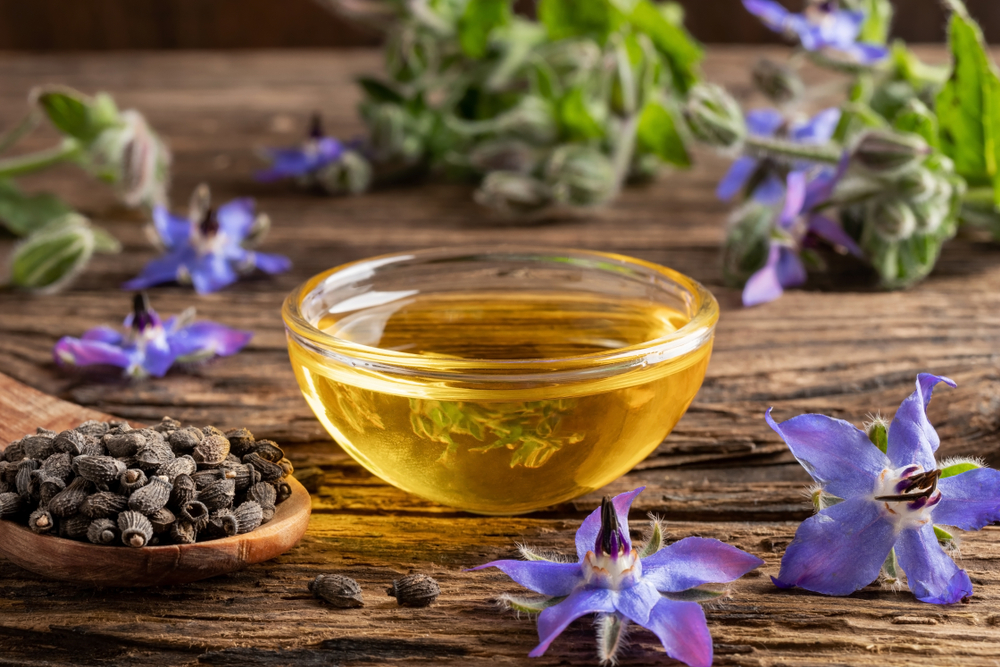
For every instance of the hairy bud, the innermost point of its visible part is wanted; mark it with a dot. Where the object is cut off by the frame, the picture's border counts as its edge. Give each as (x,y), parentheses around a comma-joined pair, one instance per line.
(888,153)
(512,192)
(580,176)
(351,174)
(780,83)
(714,116)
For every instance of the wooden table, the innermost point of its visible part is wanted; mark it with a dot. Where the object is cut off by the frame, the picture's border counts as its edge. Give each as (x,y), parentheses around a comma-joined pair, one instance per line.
(723,473)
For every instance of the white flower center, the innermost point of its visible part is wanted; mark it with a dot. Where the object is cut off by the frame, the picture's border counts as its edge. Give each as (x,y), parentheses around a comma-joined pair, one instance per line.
(614,572)
(907,495)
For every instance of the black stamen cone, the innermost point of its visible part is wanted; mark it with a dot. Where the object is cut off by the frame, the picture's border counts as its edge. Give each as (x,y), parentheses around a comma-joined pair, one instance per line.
(609,527)
(316,126)
(920,486)
(209,223)
(140,311)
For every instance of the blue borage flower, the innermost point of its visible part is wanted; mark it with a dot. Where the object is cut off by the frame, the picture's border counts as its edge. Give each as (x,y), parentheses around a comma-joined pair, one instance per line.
(821,26)
(652,587)
(887,503)
(303,161)
(768,123)
(149,346)
(799,225)
(209,249)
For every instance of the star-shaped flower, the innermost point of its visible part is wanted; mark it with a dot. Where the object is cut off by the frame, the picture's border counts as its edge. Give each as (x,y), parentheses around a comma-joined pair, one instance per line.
(653,587)
(148,346)
(885,503)
(823,25)
(305,161)
(210,248)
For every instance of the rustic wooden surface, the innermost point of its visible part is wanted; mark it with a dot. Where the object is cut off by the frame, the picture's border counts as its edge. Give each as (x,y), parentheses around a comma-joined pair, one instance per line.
(722,473)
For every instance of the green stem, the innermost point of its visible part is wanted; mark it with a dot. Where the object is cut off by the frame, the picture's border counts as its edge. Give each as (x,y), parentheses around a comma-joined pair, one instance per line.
(768,146)
(621,160)
(25,164)
(981,197)
(19,131)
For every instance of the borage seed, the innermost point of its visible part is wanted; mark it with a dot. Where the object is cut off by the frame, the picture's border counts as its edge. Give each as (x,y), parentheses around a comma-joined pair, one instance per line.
(213,450)
(10,505)
(218,494)
(269,471)
(102,531)
(414,590)
(103,504)
(184,491)
(98,469)
(152,497)
(183,532)
(196,513)
(131,481)
(41,521)
(136,529)
(340,591)
(249,516)
(67,502)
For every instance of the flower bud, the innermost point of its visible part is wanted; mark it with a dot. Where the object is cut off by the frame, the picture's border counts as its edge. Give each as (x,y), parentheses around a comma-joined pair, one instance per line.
(504,155)
(887,153)
(892,219)
(351,174)
(580,175)
(51,257)
(918,184)
(714,117)
(511,192)
(878,432)
(781,84)
(748,241)
(533,120)
(931,214)
(394,132)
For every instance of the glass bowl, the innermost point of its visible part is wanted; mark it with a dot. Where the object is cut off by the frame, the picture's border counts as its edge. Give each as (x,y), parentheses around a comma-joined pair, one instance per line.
(499,380)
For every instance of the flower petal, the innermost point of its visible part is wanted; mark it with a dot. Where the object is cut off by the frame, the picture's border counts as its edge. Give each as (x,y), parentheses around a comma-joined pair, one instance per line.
(211,273)
(969,500)
(158,271)
(76,352)
(694,561)
(931,574)
(771,14)
(547,578)
(236,218)
(795,197)
(911,437)
(833,233)
(173,230)
(834,452)
(681,628)
(271,264)
(764,285)
(737,176)
(586,536)
(103,334)
(157,357)
(819,128)
(790,270)
(839,550)
(764,122)
(866,54)
(555,619)
(771,191)
(208,339)
(636,602)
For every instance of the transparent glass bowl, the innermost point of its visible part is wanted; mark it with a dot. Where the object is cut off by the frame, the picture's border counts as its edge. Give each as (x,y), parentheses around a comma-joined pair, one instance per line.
(500,380)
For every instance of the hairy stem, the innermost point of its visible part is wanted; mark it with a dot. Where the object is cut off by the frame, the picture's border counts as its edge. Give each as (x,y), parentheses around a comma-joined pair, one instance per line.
(19,131)
(771,147)
(26,164)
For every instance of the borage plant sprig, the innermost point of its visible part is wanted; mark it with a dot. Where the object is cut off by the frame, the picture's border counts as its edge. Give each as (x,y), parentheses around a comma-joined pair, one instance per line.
(911,157)
(117,147)
(657,586)
(543,114)
(884,503)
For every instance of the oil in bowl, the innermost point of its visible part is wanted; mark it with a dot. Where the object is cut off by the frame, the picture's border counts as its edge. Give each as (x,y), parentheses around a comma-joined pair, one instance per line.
(500,381)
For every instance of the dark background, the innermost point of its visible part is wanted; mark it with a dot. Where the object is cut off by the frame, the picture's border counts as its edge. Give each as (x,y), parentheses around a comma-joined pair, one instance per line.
(226,24)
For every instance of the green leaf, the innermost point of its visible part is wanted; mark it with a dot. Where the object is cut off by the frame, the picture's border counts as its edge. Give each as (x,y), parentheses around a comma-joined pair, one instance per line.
(478,20)
(878,20)
(22,213)
(578,123)
(680,49)
(104,242)
(958,469)
(968,106)
(943,535)
(379,91)
(530,605)
(572,18)
(655,542)
(657,133)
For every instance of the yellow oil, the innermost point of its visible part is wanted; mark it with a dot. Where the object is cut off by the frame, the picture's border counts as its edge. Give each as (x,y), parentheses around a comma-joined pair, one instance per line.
(508,448)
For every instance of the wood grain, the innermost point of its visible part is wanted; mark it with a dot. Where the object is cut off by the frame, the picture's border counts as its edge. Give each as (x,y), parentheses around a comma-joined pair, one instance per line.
(722,473)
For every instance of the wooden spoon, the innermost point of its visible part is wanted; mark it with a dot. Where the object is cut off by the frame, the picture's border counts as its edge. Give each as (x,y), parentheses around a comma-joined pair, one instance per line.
(23,409)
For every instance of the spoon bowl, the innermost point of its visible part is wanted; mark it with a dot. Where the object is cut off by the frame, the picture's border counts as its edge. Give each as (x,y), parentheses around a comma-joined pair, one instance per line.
(22,409)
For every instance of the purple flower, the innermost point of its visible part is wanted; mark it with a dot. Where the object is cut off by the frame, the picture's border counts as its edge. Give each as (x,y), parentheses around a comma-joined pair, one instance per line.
(767,123)
(887,503)
(821,26)
(798,224)
(653,588)
(148,346)
(302,161)
(209,248)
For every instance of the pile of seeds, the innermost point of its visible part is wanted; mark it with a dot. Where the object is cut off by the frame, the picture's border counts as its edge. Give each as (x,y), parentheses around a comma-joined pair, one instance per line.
(169,484)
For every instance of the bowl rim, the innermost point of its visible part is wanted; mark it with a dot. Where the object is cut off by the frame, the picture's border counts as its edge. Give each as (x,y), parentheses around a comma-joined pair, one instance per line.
(697,332)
